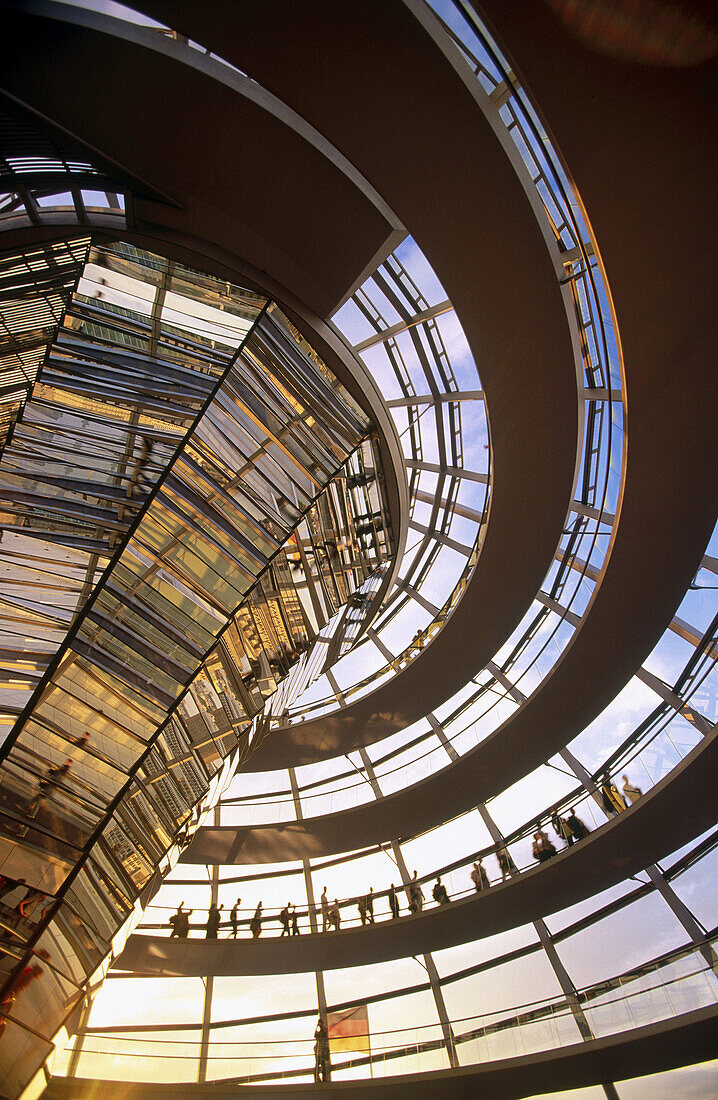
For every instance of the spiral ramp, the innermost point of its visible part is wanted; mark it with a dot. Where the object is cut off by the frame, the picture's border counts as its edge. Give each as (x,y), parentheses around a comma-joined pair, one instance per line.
(494,231)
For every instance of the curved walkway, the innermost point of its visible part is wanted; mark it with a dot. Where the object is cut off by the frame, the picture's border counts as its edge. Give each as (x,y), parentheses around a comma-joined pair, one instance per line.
(645,221)
(440,797)
(681,1041)
(676,810)
(512,313)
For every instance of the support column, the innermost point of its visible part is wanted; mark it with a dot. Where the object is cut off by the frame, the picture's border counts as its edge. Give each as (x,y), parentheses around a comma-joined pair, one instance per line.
(370,773)
(701,723)
(306,867)
(209,980)
(683,914)
(311,902)
(580,772)
(339,694)
(81,1033)
(433,975)
(567,987)
(439,731)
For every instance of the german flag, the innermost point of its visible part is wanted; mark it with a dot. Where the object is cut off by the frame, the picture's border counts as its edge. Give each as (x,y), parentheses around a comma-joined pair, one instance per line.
(349,1030)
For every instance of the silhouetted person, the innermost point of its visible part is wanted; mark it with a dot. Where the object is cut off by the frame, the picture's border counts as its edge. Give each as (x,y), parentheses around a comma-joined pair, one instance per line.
(294,921)
(370,905)
(32,900)
(322,1067)
(393,902)
(479,877)
(284,921)
(505,862)
(612,801)
(234,917)
(335,917)
(46,785)
(416,895)
(255,925)
(542,847)
(26,977)
(439,893)
(179,922)
(561,828)
(325,909)
(576,826)
(631,792)
(213,919)
(361,906)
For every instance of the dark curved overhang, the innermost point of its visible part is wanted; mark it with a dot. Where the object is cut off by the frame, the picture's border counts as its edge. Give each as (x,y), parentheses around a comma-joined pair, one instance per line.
(486,247)
(529,347)
(650,218)
(622,847)
(237,173)
(674,508)
(489,253)
(679,1041)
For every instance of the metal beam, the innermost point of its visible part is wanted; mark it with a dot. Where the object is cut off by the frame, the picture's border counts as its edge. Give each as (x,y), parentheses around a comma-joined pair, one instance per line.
(553,605)
(416,595)
(436,398)
(683,915)
(311,900)
(502,678)
(209,979)
(701,723)
(371,774)
(440,733)
(430,967)
(403,326)
(567,986)
(335,687)
(592,513)
(447,471)
(385,652)
(460,547)
(457,509)
(600,394)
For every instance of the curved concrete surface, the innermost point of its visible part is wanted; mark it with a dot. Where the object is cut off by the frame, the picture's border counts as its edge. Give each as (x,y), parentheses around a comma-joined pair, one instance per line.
(512,312)
(631,841)
(612,120)
(214,149)
(521,744)
(489,255)
(680,1041)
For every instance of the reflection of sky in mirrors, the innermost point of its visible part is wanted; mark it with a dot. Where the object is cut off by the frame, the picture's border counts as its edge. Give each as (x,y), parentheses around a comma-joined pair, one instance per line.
(139,296)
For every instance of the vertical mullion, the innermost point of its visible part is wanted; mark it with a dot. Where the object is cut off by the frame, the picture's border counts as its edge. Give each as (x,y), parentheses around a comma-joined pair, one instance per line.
(209,987)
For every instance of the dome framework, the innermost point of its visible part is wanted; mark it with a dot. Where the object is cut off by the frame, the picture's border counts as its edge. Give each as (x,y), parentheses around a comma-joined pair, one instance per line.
(496,700)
